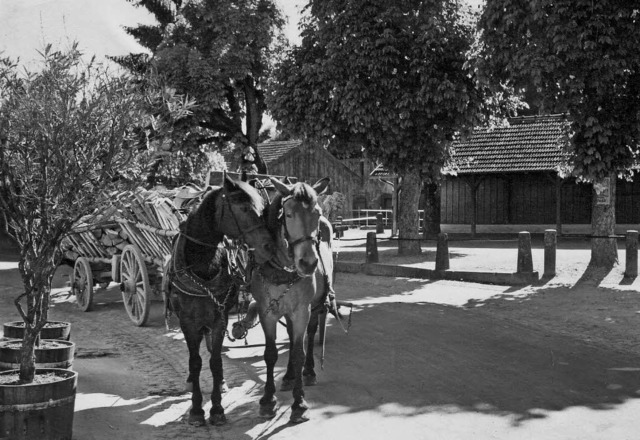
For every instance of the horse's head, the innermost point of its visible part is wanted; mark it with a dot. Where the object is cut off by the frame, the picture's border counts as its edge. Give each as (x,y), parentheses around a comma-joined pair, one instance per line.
(242,217)
(299,214)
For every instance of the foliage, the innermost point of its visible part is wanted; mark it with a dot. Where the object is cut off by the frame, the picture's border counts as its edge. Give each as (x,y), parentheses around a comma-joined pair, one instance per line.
(221,54)
(389,77)
(332,204)
(582,57)
(70,135)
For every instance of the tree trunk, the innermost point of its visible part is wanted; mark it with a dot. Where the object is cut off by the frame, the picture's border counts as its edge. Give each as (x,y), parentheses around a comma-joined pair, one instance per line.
(432,217)
(604,251)
(408,219)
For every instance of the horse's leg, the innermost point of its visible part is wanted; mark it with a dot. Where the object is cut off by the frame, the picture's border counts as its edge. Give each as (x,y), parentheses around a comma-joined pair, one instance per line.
(308,372)
(217,416)
(193,338)
(299,322)
(290,375)
(268,401)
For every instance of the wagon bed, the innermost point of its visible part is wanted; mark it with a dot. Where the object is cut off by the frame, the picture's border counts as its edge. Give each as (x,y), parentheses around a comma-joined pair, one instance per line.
(130,246)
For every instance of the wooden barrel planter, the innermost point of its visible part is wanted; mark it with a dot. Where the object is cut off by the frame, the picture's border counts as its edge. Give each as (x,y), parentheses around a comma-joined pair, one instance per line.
(52,353)
(51,330)
(42,410)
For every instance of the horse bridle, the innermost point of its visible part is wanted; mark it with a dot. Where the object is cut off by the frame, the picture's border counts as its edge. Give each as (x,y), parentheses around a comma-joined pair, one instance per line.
(291,244)
(225,201)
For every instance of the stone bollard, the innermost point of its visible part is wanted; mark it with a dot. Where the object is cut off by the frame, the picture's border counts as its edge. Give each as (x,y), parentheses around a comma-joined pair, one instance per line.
(442,252)
(631,269)
(379,223)
(550,247)
(372,248)
(525,260)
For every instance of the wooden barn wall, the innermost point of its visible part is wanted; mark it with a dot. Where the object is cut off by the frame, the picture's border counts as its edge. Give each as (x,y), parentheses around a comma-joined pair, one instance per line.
(528,199)
(310,166)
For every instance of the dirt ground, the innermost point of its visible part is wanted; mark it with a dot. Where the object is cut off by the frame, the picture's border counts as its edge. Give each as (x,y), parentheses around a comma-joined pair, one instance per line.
(424,359)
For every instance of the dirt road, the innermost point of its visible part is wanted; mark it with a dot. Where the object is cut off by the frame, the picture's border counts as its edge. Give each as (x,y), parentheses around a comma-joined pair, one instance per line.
(423,360)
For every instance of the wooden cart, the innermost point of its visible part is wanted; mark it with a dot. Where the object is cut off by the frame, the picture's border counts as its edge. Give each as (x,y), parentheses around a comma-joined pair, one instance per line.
(132,248)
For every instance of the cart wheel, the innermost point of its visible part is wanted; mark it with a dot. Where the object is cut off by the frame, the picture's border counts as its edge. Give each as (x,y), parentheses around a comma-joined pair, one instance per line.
(135,285)
(82,284)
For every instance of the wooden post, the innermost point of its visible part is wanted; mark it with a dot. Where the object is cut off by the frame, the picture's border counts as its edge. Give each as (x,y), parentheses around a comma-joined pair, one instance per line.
(525,260)
(442,252)
(339,231)
(372,248)
(379,223)
(631,269)
(550,247)
(559,182)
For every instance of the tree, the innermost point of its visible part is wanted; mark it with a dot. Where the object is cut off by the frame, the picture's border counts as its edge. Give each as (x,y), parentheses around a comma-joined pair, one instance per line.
(583,57)
(69,136)
(219,52)
(389,77)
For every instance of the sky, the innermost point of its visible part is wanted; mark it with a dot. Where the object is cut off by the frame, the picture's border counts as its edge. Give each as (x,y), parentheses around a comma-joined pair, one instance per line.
(25,25)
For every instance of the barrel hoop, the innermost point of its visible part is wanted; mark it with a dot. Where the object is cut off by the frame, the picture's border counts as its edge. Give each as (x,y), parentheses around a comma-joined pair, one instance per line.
(38,406)
(61,364)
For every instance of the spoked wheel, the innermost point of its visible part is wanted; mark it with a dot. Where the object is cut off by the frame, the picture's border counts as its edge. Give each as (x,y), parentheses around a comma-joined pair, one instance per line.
(134,284)
(82,284)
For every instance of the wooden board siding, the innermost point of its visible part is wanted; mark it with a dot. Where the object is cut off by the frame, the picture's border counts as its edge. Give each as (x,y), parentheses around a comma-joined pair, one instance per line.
(528,198)
(310,165)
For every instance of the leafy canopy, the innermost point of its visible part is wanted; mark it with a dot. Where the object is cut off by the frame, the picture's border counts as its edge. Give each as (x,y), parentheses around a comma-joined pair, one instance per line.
(220,52)
(582,57)
(386,76)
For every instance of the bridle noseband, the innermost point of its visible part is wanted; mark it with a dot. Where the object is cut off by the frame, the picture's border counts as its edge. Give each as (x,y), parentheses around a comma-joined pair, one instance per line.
(291,244)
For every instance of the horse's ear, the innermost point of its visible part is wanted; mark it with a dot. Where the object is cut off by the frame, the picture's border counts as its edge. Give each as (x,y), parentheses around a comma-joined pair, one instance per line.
(280,187)
(321,185)
(229,184)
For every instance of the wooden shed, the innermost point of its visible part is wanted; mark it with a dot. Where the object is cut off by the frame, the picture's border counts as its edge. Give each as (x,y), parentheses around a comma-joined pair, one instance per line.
(507,179)
(309,163)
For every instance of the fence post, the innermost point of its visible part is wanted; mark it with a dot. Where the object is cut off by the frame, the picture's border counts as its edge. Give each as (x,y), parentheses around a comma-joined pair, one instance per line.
(339,232)
(631,269)
(442,252)
(550,247)
(372,248)
(525,260)
(379,223)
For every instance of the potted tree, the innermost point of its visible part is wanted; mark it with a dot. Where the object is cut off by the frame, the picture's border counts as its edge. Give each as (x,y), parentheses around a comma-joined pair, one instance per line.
(71,133)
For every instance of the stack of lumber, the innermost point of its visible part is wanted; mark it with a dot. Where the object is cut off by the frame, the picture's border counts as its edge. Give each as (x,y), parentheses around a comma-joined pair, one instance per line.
(146,218)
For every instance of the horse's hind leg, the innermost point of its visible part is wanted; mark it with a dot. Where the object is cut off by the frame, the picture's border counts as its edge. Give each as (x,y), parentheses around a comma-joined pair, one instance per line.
(268,401)
(194,338)
(217,416)
(290,375)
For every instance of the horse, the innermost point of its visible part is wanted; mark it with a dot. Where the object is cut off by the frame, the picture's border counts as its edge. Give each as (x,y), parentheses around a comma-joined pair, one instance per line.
(287,287)
(203,281)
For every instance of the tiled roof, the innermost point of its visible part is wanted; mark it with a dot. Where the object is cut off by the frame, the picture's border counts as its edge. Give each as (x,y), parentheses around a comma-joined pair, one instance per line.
(272,151)
(530,143)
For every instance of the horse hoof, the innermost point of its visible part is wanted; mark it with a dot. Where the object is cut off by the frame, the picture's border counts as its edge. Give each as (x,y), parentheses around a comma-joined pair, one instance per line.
(299,415)
(197,419)
(268,410)
(286,385)
(218,419)
(310,381)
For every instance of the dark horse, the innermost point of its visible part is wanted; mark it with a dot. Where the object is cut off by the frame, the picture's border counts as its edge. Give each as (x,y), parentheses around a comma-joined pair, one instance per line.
(287,289)
(203,285)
